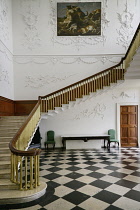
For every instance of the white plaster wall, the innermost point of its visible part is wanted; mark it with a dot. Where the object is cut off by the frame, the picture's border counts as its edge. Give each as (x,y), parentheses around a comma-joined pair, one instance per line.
(44,62)
(6,50)
(94,116)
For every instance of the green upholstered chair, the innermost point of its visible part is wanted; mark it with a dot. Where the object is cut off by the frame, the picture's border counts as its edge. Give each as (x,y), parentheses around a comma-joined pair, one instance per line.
(50,139)
(112,134)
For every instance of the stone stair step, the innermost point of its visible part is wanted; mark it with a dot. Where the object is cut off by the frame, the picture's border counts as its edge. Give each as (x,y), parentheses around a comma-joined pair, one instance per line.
(4,144)
(5,139)
(5,157)
(5,165)
(5,150)
(6,184)
(5,174)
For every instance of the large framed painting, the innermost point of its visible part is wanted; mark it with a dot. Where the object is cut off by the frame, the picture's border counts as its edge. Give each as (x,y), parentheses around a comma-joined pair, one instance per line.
(79,19)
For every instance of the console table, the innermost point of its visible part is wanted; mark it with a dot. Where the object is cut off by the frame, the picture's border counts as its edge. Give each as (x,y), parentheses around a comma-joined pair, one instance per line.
(85,138)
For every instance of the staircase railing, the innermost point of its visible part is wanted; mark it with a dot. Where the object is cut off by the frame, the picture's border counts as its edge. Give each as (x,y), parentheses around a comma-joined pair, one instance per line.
(25,164)
(22,160)
(92,83)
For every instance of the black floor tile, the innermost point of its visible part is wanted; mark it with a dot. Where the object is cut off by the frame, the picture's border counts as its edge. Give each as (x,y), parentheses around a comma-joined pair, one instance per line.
(96,175)
(133,194)
(52,176)
(77,208)
(118,174)
(107,197)
(136,173)
(92,168)
(74,175)
(101,184)
(73,168)
(131,167)
(113,168)
(74,184)
(126,183)
(111,207)
(54,169)
(76,197)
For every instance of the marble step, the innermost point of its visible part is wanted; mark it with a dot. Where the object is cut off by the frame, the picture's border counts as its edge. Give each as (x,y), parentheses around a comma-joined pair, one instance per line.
(5,174)
(5,139)
(10,134)
(5,150)
(4,144)
(6,184)
(5,157)
(5,165)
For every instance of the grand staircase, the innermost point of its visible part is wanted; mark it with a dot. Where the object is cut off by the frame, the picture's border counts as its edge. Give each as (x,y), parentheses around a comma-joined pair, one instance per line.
(9,126)
(22,160)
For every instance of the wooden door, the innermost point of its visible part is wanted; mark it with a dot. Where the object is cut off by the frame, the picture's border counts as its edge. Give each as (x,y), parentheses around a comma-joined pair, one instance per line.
(129,126)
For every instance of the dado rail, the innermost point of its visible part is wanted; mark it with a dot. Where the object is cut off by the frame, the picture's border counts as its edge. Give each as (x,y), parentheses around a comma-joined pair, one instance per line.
(22,160)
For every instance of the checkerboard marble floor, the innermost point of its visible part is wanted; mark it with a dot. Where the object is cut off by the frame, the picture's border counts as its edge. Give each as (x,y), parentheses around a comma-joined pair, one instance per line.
(89,179)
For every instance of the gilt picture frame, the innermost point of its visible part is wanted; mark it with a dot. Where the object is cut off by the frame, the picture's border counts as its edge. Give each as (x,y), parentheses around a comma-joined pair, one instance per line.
(79,19)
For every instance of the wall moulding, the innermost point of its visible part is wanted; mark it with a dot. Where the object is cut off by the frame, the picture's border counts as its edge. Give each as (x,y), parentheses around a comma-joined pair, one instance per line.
(68,59)
(79,41)
(5,51)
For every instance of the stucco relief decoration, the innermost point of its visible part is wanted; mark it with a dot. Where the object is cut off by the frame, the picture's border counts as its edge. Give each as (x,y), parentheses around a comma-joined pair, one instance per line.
(125,31)
(4,75)
(67,59)
(78,41)
(43,80)
(123,95)
(30,12)
(4,30)
(97,111)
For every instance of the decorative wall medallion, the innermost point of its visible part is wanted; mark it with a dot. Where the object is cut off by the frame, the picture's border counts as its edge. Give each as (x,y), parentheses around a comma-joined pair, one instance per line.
(4,30)
(30,12)
(97,111)
(125,31)
(67,59)
(79,41)
(123,95)
(43,80)
(4,75)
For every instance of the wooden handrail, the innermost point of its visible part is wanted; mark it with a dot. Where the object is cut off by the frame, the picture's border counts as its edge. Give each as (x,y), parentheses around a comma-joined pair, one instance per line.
(12,143)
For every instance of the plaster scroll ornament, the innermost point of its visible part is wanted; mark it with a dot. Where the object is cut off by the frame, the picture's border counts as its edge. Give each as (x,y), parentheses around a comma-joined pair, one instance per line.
(97,111)
(44,80)
(30,12)
(4,75)
(78,41)
(125,31)
(4,25)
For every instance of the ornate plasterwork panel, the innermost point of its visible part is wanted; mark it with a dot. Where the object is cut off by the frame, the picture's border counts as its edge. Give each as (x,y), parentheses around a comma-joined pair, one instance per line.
(4,75)
(123,95)
(30,11)
(4,29)
(125,31)
(44,80)
(67,59)
(97,111)
(78,41)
